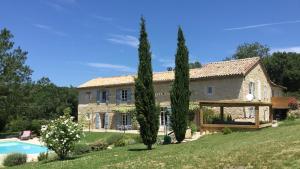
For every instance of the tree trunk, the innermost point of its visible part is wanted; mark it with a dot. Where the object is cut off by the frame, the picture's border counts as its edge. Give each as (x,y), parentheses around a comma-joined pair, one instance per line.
(149,146)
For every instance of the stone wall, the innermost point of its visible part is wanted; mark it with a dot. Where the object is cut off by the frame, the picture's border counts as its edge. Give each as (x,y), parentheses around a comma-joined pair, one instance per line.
(229,88)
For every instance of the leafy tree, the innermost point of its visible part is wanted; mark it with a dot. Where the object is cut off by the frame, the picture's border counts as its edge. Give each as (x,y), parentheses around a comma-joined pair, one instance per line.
(283,69)
(147,112)
(22,100)
(180,92)
(194,65)
(14,75)
(248,50)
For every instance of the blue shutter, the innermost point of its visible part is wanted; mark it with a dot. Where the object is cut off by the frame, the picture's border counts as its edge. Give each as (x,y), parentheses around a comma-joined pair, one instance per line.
(128,117)
(97,121)
(118,118)
(98,98)
(106,121)
(129,95)
(107,95)
(118,99)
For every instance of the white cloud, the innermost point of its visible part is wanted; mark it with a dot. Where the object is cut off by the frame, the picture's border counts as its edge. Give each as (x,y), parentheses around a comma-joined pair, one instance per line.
(49,29)
(262,25)
(287,49)
(166,62)
(126,29)
(102,18)
(124,40)
(121,68)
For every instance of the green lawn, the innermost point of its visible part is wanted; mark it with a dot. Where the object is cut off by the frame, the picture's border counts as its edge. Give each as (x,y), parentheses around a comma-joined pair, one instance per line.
(267,148)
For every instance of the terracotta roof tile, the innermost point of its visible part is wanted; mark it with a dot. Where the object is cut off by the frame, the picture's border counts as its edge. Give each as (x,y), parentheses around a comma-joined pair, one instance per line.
(214,69)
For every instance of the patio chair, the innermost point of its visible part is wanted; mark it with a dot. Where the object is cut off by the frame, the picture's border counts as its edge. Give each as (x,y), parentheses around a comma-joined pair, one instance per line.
(25,135)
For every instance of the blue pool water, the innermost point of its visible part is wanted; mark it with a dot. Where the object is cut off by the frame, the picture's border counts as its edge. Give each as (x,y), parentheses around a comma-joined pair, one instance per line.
(19,147)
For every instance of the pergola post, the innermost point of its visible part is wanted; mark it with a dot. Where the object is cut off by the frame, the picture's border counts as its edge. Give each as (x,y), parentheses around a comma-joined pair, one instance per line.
(197,120)
(222,112)
(257,116)
(201,116)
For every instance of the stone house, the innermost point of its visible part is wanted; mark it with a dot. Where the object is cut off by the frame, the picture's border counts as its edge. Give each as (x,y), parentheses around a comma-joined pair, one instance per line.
(103,102)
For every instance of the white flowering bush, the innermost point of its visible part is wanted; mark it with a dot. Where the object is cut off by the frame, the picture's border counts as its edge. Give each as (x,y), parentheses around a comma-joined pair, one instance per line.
(60,135)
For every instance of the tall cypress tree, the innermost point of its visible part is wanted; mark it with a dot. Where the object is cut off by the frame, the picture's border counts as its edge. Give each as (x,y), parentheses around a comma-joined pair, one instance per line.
(180,92)
(147,112)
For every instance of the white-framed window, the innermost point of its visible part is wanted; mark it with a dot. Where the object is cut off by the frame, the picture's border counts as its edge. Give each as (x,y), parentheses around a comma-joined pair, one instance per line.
(124,95)
(252,89)
(209,90)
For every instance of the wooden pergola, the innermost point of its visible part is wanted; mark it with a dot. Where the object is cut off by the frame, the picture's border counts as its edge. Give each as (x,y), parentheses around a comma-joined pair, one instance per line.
(203,126)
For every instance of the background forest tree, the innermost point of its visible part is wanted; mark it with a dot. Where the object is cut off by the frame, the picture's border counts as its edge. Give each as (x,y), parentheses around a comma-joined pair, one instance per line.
(24,104)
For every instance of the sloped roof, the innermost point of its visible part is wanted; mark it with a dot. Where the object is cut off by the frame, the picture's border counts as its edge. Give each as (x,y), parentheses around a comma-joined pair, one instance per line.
(210,70)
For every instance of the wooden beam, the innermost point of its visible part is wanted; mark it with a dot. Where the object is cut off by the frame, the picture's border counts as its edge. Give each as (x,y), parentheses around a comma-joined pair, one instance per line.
(257,116)
(233,103)
(201,116)
(222,112)
(228,125)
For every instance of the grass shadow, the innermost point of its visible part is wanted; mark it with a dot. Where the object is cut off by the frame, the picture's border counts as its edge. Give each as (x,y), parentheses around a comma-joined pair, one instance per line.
(139,149)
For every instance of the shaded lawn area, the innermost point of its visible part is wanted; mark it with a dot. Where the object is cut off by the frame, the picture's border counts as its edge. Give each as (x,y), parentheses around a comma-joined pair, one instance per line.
(91,137)
(267,148)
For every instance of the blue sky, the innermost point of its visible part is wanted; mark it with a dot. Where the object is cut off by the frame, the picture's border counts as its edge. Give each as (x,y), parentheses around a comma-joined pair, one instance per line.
(72,41)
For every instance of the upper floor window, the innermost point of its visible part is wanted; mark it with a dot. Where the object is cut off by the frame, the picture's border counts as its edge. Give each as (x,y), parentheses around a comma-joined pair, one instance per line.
(89,96)
(124,95)
(104,96)
(252,89)
(209,90)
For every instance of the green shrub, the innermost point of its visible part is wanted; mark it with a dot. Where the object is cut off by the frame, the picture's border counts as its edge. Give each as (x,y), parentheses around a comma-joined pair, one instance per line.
(43,156)
(137,138)
(18,124)
(36,126)
(209,115)
(98,145)
(114,138)
(120,143)
(226,130)
(81,149)
(9,135)
(193,128)
(167,140)
(291,117)
(15,159)
(124,141)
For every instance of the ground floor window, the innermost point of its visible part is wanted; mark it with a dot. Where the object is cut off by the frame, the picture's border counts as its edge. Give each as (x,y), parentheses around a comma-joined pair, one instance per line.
(163,116)
(124,119)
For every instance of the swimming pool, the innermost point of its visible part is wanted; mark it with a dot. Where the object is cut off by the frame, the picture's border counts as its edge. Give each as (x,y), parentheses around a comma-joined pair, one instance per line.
(20,147)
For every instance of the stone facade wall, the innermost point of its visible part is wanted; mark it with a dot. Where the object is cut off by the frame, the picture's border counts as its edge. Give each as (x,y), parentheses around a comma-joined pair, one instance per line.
(263,90)
(230,88)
